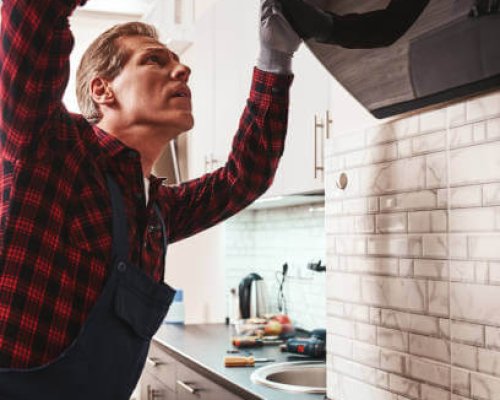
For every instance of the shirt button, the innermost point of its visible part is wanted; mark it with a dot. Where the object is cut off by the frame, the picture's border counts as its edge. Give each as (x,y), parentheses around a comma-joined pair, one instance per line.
(122,267)
(132,154)
(153,228)
(139,195)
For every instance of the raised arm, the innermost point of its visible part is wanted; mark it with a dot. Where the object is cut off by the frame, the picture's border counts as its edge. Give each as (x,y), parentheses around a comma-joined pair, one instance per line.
(34,67)
(257,147)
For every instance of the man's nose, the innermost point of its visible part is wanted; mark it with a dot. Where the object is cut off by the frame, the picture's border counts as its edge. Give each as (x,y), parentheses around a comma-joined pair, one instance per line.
(181,72)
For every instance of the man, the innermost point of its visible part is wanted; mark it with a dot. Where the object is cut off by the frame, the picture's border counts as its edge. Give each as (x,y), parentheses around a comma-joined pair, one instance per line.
(84,224)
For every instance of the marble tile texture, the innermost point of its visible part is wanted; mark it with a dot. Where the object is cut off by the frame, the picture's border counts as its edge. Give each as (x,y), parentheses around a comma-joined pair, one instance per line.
(413,272)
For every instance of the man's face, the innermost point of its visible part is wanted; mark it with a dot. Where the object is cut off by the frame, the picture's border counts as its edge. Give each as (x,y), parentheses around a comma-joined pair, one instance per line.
(152,90)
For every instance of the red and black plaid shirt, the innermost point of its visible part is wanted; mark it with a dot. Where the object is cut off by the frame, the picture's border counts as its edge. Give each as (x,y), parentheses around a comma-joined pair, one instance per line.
(55,212)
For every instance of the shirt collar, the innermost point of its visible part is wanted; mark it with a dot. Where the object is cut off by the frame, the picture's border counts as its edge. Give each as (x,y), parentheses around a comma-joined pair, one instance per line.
(111,146)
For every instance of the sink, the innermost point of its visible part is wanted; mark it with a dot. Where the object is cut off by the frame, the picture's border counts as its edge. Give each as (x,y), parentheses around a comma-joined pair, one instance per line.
(300,376)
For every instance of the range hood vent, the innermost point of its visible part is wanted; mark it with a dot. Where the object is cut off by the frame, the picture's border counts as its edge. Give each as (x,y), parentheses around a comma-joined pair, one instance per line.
(450,52)
(455,55)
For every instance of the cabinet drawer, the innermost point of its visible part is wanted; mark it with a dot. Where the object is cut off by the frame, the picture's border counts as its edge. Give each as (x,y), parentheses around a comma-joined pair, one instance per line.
(153,389)
(161,365)
(191,386)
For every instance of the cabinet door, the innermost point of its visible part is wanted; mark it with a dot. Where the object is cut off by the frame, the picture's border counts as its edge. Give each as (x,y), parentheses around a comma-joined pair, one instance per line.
(236,47)
(161,365)
(191,386)
(309,98)
(226,47)
(236,44)
(224,52)
(153,389)
(202,84)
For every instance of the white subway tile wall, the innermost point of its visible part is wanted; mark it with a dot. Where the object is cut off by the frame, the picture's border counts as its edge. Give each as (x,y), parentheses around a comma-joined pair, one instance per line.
(413,267)
(263,240)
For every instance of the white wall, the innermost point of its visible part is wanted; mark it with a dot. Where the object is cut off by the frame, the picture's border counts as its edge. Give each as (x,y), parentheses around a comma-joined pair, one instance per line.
(262,241)
(196,266)
(413,256)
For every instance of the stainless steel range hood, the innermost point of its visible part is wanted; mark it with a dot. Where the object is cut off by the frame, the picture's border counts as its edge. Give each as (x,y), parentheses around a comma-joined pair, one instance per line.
(451,51)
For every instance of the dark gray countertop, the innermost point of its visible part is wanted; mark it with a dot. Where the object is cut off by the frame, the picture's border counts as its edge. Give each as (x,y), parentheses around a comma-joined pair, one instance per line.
(203,347)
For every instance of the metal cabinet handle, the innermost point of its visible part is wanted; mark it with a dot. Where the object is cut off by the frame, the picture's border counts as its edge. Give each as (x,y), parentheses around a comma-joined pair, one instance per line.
(318,123)
(154,362)
(186,387)
(213,162)
(328,123)
(153,394)
(210,161)
(207,162)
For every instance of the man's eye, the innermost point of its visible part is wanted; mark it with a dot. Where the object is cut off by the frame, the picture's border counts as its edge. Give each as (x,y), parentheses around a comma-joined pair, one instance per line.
(155,59)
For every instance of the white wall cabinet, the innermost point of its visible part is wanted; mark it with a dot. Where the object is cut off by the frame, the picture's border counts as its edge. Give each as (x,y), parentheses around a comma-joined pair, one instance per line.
(225,49)
(308,123)
(236,44)
(202,55)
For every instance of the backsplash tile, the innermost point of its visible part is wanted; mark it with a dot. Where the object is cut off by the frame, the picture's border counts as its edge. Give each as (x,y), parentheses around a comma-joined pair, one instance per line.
(483,386)
(493,128)
(413,282)
(483,107)
(433,120)
(418,200)
(262,241)
(465,166)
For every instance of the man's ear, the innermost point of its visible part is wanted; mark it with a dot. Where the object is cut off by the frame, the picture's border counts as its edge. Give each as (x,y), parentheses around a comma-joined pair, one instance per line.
(101,91)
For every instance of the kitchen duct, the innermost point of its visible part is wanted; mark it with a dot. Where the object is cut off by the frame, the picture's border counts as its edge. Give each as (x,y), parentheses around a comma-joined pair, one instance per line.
(450,51)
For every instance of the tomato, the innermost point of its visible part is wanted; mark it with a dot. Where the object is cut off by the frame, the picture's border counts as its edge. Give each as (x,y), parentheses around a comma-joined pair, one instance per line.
(282,319)
(273,328)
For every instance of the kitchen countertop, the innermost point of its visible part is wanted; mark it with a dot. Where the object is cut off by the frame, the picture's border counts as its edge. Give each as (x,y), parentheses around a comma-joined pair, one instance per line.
(203,347)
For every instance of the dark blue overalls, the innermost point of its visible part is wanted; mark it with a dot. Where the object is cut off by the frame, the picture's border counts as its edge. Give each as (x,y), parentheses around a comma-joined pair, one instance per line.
(106,359)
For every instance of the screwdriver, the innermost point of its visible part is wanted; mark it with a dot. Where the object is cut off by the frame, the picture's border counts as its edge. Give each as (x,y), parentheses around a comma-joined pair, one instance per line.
(242,342)
(242,361)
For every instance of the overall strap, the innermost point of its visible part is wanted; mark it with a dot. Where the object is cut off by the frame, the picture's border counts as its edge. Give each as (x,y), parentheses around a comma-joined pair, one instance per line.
(120,231)
(164,235)
(163,228)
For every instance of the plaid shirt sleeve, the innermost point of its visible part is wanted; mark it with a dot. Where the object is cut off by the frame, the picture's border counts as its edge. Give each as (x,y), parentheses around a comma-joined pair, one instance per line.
(34,68)
(257,147)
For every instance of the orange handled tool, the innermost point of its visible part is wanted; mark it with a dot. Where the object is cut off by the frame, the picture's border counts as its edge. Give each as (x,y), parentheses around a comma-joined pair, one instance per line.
(242,361)
(251,341)
(247,342)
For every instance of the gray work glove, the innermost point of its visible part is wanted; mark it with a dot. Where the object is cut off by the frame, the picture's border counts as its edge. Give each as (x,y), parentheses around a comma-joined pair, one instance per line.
(278,40)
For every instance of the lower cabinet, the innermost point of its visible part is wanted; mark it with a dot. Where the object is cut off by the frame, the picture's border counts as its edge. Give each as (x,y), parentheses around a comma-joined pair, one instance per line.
(153,389)
(165,378)
(191,385)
